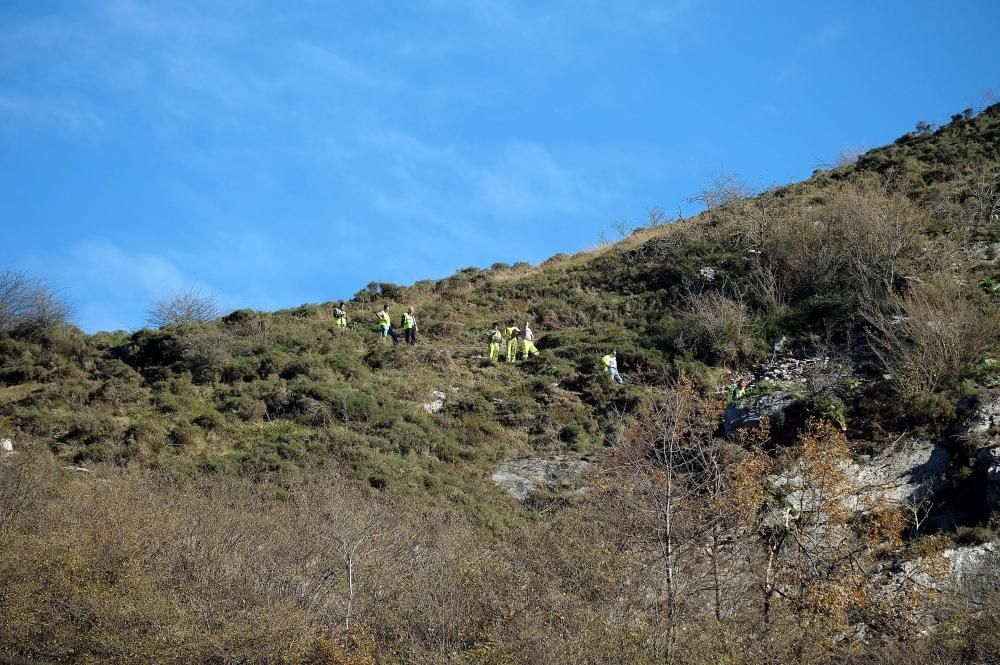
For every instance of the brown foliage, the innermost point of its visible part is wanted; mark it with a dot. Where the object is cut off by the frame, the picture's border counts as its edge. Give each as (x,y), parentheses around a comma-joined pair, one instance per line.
(935,331)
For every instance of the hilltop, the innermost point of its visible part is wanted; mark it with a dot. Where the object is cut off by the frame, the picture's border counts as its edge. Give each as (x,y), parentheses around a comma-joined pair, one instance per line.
(862,301)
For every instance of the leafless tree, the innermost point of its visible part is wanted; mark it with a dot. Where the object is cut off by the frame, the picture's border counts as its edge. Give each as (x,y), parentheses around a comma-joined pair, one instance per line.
(657,216)
(725,188)
(29,304)
(191,306)
(983,188)
(622,227)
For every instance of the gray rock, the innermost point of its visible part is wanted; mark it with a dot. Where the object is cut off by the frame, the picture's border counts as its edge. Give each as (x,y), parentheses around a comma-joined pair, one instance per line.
(988,459)
(749,412)
(986,416)
(437,402)
(523,476)
(907,471)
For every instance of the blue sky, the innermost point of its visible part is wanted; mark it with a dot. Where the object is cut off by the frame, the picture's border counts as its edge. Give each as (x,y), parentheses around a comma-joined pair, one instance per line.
(278,153)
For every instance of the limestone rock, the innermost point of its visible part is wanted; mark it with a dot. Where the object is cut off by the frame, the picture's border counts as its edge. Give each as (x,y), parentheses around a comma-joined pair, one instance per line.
(438,399)
(989,460)
(985,418)
(523,476)
(906,471)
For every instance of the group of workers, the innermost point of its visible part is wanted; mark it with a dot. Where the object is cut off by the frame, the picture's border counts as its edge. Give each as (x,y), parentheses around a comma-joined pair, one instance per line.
(517,340)
(408,322)
(513,333)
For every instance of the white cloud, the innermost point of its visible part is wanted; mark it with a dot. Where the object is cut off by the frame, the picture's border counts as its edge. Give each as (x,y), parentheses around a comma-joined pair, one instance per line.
(70,116)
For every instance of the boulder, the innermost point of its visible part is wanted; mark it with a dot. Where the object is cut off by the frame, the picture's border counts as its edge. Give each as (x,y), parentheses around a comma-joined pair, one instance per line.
(905,473)
(984,418)
(749,412)
(521,477)
(438,399)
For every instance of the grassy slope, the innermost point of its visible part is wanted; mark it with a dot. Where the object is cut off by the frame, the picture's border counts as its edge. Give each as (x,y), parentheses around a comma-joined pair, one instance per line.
(268,394)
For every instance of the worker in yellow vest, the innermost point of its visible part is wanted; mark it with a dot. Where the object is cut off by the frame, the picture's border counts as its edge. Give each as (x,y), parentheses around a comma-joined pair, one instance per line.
(610,363)
(512,333)
(410,327)
(340,317)
(495,338)
(385,324)
(528,342)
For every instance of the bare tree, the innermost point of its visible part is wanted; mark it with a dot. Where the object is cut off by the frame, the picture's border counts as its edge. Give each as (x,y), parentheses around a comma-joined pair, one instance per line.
(656,216)
(724,189)
(28,304)
(622,227)
(983,188)
(191,306)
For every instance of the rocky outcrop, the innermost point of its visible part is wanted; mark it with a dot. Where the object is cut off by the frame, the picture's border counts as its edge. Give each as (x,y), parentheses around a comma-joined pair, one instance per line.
(984,421)
(438,399)
(520,478)
(750,411)
(982,431)
(956,568)
(905,474)
(988,460)
(906,471)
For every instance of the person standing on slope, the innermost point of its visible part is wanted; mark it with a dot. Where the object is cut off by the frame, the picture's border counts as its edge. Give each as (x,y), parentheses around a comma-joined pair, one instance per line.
(528,342)
(385,323)
(610,363)
(340,317)
(495,338)
(409,322)
(512,334)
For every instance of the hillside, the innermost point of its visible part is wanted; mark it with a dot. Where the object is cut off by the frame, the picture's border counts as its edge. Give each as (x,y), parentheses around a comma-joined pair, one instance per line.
(229,472)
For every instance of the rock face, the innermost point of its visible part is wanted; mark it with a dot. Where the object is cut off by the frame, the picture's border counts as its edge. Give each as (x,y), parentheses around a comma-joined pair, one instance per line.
(903,474)
(907,471)
(955,568)
(985,420)
(749,412)
(983,430)
(523,476)
(989,460)
(438,399)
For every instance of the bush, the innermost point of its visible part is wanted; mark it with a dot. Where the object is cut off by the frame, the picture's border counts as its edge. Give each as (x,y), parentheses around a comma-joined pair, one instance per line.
(933,335)
(717,328)
(183,308)
(28,306)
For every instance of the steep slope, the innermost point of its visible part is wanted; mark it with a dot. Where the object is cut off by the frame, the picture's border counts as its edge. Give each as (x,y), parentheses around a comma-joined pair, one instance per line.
(874,283)
(266,392)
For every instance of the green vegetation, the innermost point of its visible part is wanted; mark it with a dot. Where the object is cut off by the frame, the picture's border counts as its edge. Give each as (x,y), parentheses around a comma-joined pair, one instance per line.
(890,261)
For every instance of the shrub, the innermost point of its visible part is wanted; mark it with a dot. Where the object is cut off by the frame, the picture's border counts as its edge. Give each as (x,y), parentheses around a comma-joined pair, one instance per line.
(28,306)
(934,334)
(717,328)
(184,307)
